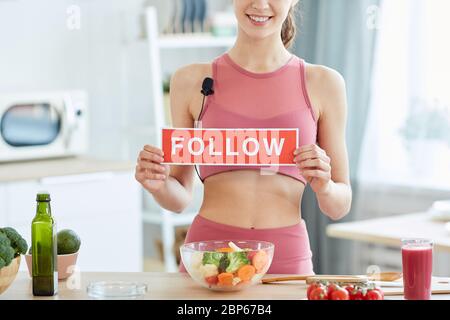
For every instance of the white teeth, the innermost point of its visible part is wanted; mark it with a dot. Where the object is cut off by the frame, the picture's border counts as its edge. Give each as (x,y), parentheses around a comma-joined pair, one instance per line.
(259,19)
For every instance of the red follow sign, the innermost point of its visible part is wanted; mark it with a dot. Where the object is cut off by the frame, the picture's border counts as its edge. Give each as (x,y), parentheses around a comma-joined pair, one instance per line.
(270,147)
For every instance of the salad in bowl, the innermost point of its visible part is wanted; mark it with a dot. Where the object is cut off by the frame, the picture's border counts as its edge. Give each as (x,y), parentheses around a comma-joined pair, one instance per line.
(227,265)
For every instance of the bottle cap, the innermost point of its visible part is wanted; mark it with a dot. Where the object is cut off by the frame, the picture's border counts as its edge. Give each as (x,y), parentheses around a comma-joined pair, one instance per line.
(43,196)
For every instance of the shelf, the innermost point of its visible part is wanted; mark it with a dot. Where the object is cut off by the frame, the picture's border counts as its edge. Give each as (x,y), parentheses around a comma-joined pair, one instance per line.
(195,40)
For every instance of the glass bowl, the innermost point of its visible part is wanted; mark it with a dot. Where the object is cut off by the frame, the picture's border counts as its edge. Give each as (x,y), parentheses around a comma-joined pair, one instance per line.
(227,265)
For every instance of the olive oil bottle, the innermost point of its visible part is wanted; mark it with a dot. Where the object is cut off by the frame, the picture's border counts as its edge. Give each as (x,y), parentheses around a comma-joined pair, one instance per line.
(44,248)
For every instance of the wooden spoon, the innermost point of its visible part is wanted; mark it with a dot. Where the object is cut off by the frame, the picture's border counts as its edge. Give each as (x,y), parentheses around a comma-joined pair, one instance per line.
(383,276)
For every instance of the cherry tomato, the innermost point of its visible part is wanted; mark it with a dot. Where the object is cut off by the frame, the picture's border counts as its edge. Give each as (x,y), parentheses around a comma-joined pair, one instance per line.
(251,254)
(339,294)
(380,291)
(331,288)
(357,294)
(373,295)
(350,289)
(212,280)
(319,293)
(311,288)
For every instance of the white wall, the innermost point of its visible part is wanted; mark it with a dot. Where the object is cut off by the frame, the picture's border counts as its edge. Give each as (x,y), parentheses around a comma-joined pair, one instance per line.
(107,57)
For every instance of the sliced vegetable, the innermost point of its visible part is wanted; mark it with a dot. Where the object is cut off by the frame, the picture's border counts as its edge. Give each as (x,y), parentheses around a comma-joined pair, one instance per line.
(234,247)
(223,264)
(225,279)
(212,258)
(236,280)
(196,259)
(260,260)
(208,270)
(237,260)
(224,250)
(246,272)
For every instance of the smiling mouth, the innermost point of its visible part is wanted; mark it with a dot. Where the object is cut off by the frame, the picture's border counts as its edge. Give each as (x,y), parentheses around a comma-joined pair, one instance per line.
(258,19)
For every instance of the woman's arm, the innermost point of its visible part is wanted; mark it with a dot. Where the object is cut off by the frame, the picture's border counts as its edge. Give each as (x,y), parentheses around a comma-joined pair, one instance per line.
(176,194)
(325,166)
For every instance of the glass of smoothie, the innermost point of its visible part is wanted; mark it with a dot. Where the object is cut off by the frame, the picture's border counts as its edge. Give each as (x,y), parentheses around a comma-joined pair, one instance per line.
(417,261)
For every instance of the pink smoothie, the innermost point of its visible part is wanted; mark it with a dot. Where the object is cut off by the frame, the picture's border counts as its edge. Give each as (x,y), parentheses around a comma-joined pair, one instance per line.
(417,269)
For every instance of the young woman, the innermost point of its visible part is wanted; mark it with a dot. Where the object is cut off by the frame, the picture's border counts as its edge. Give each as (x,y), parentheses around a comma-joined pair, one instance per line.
(258,83)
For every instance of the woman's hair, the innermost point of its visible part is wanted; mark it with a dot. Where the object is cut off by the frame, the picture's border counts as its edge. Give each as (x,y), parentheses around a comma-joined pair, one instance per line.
(289,29)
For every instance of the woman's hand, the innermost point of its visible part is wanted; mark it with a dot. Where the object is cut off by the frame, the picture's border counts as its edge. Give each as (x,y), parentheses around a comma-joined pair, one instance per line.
(315,165)
(150,173)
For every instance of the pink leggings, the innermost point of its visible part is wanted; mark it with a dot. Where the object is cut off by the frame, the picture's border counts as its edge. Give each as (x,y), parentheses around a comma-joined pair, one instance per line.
(292,253)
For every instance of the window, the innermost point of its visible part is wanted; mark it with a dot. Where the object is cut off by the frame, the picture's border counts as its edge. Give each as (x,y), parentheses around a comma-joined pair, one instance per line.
(407,139)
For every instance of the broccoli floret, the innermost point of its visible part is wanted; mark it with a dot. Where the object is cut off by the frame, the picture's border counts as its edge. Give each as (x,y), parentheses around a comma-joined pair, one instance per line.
(212,258)
(6,251)
(237,260)
(18,243)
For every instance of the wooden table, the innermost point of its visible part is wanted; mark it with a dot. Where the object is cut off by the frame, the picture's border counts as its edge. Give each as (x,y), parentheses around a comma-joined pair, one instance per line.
(389,231)
(173,286)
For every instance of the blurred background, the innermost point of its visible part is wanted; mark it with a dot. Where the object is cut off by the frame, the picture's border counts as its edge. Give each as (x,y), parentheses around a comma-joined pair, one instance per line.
(84,85)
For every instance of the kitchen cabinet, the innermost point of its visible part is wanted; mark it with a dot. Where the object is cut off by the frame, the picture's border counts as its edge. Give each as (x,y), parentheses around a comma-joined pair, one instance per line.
(102,205)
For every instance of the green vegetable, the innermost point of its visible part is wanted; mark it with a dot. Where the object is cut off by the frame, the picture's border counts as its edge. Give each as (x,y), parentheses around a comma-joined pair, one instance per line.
(18,243)
(223,264)
(212,258)
(237,260)
(68,242)
(6,251)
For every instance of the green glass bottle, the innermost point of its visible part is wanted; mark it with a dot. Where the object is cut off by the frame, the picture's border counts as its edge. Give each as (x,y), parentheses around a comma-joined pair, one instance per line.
(44,248)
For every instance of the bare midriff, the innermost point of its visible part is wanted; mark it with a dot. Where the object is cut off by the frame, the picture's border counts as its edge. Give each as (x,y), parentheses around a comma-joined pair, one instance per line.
(250,199)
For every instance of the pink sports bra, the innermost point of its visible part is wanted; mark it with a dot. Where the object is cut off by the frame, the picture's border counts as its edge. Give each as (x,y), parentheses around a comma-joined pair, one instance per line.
(247,100)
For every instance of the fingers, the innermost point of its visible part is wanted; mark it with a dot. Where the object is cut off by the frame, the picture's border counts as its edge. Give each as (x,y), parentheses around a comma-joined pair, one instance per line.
(311,152)
(145,155)
(153,149)
(142,175)
(316,174)
(151,166)
(305,148)
(314,164)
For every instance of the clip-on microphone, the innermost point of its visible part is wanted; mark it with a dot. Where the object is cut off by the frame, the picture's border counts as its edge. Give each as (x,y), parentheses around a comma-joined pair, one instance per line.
(207,90)
(207,87)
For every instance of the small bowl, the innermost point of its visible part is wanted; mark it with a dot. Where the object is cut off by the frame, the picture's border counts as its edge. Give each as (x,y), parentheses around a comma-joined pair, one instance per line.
(8,274)
(258,254)
(65,264)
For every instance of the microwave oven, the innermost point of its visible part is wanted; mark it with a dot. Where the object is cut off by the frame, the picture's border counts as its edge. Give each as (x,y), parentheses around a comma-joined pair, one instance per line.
(43,125)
